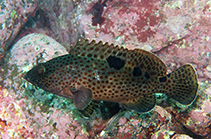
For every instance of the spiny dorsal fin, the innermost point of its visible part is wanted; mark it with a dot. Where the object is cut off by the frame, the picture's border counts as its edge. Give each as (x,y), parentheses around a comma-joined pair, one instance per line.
(98,50)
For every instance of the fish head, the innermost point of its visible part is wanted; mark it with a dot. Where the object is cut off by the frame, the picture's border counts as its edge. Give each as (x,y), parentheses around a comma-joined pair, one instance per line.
(41,76)
(36,75)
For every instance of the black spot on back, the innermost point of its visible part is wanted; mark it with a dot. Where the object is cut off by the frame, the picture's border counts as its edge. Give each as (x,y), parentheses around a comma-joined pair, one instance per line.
(95,56)
(137,71)
(146,75)
(163,79)
(89,55)
(124,55)
(115,62)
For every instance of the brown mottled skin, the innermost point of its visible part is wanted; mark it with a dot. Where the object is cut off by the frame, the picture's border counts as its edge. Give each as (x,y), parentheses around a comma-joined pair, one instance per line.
(103,72)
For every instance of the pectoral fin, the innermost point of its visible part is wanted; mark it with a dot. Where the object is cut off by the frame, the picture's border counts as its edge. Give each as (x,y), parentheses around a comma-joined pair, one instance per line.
(141,104)
(82,97)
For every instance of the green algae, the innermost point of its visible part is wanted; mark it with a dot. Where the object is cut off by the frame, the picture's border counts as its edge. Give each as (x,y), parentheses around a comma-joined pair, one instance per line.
(2,4)
(40,96)
(14,14)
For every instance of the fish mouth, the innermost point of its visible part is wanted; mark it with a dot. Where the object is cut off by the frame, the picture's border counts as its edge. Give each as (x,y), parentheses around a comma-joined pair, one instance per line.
(24,75)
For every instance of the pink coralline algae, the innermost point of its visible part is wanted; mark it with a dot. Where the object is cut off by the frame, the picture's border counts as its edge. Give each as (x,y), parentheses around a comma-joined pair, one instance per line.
(34,122)
(13,123)
(53,122)
(124,20)
(136,20)
(189,24)
(14,14)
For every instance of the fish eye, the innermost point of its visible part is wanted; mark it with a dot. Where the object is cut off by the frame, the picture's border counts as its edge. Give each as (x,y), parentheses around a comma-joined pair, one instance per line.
(41,69)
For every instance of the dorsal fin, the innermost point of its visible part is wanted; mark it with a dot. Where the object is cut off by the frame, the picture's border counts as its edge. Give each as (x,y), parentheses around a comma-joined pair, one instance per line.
(98,50)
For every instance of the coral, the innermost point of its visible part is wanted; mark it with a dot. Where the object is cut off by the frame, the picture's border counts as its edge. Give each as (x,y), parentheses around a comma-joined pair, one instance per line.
(25,119)
(13,122)
(125,21)
(14,14)
(52,122)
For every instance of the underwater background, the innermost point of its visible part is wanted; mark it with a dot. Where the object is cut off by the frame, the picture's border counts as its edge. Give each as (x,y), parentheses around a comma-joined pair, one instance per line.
(33,31)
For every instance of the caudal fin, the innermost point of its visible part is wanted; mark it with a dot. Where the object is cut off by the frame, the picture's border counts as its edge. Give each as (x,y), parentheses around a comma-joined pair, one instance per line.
(182,84)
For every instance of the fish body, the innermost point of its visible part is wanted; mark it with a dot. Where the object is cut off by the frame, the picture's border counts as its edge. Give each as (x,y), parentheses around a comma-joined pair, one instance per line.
(97,71)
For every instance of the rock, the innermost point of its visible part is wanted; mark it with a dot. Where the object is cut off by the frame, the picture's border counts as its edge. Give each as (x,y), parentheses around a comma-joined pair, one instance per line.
(14,14)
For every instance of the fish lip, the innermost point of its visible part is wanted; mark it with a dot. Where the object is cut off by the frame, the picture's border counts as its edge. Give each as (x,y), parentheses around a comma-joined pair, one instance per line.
(24,75)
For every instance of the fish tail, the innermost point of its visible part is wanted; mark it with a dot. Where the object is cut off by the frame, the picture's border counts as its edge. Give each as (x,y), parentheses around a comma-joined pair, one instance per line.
(181,84)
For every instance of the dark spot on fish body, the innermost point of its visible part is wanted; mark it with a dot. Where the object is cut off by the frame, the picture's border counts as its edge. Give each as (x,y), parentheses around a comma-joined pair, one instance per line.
(89,55)
(97,49)
(101,57)
(163,79)
(137,71)
(95,56)
(83,54)
(115,62)
(141,65)
(124,54)
(146,75)
(114,52)
(108,51)
(119,54)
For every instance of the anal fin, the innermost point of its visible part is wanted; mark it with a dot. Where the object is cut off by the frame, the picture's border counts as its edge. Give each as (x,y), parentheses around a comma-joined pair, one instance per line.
(141,104)
(82,97)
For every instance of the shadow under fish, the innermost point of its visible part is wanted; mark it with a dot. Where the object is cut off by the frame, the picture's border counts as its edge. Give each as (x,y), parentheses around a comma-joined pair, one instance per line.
(97,71)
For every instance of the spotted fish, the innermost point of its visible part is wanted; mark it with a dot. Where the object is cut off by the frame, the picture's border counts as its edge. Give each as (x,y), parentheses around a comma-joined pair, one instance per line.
(97,71)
